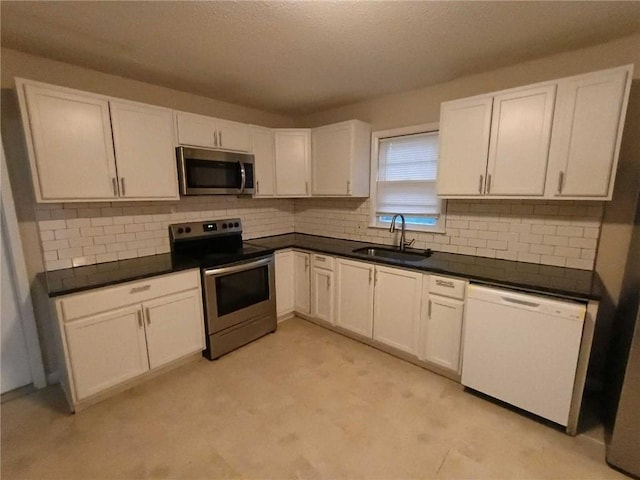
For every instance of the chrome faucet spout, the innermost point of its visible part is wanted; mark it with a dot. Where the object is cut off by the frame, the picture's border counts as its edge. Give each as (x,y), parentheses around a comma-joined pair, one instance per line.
(392,229)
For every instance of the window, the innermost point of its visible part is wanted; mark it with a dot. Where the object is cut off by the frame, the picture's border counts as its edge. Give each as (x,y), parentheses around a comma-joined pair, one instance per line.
(404,172)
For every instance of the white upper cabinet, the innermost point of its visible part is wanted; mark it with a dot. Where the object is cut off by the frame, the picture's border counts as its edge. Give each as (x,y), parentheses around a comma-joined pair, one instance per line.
(201,131)
(265,166)
(341,159)
(464,144)
(519,145)
(587,131)
(293,155)
(143,141)
(496,144)
(86,147)
(71,150)
(558,139)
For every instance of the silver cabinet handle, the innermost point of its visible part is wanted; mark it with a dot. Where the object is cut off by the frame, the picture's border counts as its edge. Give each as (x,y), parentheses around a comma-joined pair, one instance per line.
(370,275)
(560,181)
(375,277)
(489,183)
(215,138)
(429,310)
(306,264)
(143,288)
(321,259)
(148,315)
(220,138)
(123,191)
(140,324)
(114,184)
(444,283)
(480,184)
(328,283)
(258,187)
(348,187)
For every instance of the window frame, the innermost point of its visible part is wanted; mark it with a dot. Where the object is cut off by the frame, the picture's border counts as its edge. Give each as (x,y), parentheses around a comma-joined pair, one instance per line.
(376,136)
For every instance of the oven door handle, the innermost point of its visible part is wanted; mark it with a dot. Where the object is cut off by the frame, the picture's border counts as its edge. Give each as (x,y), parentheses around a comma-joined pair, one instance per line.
(243,177)
(237,268)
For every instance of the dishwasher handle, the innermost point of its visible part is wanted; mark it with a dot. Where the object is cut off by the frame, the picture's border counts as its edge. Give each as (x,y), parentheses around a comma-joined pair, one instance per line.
(518,301)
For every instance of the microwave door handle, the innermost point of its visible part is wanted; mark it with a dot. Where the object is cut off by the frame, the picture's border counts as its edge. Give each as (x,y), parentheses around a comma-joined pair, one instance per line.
(243,177)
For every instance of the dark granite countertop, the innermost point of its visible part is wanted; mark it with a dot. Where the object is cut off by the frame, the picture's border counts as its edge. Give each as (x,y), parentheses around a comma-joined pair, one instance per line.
(559,281)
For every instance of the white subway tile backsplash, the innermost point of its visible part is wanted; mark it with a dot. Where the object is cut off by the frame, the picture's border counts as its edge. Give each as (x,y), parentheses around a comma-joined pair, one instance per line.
(551,233)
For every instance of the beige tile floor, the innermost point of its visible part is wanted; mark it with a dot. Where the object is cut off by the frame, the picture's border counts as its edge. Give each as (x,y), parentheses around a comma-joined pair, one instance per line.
(302,403)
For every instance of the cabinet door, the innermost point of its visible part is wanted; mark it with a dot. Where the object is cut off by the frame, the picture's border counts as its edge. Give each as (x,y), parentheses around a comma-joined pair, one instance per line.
(233,136)
(284,282)
(292,149)
(302,275)
(145,154)
(174,327)
(73,149)
(464,144)
(106,349)
(196,130)
(354,302)
(331,148)
(444,332)
(397,308)
(519,145)
(263,152)
(586,134)
(322,287)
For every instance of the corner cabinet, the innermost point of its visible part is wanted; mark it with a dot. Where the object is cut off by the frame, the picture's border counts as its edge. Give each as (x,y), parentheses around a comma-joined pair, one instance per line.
(341,159)
(587,132)
(292,159)
(87,147)
(112,335)
(208,132)
(556,140)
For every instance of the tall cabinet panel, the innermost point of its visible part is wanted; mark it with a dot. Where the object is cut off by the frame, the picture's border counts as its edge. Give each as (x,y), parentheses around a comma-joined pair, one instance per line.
(397,308)
(285,285)
(143,140)
(264,155)
(587,134)
(293,153)
(354,302)
(519,145)
(464,143)
(302,282)
(71,137)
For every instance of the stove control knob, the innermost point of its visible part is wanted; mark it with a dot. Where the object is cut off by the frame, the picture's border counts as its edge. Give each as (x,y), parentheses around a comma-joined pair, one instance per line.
(230,225)
(236,224)
(188,229)
(224,225)
(180,230)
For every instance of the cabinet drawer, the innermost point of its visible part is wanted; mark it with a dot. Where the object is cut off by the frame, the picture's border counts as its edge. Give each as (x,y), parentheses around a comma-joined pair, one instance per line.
(99,300)
(322,261)
(447,287)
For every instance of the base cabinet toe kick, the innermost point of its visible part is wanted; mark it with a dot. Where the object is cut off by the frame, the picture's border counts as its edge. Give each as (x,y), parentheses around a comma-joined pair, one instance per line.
(529,350)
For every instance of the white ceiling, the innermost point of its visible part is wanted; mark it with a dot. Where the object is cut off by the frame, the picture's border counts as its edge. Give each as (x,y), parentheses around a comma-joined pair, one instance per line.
(301,57)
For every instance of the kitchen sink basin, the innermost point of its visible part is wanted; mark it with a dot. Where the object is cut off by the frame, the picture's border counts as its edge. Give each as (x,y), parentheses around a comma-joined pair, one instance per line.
(394,254)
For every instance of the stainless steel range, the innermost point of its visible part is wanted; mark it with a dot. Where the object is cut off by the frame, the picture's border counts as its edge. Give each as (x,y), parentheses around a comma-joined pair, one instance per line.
(238,281)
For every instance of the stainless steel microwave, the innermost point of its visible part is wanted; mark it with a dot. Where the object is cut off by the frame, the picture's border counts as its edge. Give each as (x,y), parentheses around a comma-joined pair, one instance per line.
(214,172)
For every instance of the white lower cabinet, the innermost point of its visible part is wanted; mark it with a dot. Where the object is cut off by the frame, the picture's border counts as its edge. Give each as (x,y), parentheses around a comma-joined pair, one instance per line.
(113,334)
(443,322)
(302,280)
(354,302)
(322,288)
(284,282)
(397,308)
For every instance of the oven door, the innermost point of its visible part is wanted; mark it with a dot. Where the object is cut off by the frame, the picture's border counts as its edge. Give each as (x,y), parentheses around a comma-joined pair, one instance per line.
(239,292)
(208,172)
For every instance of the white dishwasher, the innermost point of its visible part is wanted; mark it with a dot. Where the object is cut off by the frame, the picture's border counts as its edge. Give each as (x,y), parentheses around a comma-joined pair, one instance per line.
(522,349)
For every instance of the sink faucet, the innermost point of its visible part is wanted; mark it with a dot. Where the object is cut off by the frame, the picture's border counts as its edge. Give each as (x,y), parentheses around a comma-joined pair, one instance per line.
(403,244)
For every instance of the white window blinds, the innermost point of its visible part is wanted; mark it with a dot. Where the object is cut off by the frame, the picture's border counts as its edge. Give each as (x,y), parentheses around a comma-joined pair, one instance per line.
(407,170)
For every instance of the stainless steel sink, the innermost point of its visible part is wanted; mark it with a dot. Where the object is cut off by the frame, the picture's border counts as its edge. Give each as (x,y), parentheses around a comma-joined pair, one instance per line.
(394,253)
